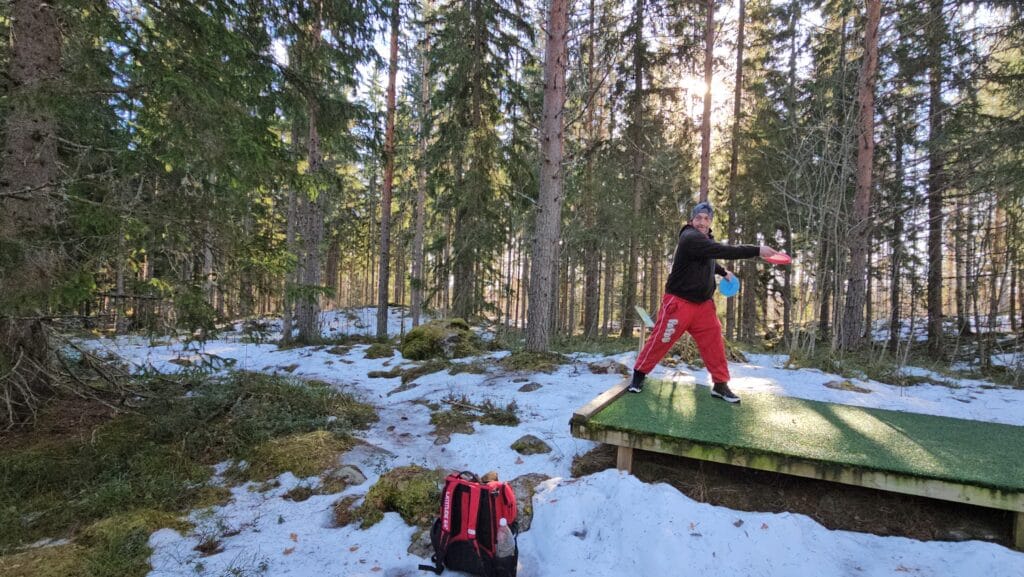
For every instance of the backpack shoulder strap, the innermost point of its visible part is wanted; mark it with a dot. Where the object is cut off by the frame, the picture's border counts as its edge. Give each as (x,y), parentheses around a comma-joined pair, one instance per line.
(474,510)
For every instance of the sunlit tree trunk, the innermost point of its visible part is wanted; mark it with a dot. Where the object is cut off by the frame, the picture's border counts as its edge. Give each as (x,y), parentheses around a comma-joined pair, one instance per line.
(705,123)
(730,305)
(549,204)
(416,277)
(852,328)
(384,278)
(629,282)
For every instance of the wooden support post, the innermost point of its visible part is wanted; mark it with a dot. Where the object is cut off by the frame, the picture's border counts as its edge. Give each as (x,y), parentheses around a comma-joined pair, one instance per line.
(624,459)
(1018,530)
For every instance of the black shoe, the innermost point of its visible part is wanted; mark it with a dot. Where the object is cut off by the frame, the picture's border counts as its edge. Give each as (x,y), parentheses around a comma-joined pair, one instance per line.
(637,384)
(721,390)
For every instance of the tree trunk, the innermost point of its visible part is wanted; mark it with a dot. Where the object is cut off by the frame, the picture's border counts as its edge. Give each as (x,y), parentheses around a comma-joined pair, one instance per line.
(311,223)
(416,280)
(705,122)
(331,269)
(730,304)
(629,283)
(852,328)
(936,30)
(591,250)
(609,290)
(897,237)
(748,312)
(549,204)
(384,278)
(29,211)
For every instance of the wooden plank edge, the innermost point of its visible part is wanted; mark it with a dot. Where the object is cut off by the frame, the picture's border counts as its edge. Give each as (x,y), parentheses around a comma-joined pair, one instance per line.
(822,470)
(583,414)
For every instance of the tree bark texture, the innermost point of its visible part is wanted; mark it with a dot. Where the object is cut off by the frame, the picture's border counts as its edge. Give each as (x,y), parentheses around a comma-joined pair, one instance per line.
(389,179)
(705,122)
(29,257)
(549,205)
(851,331)
(417,280)
(628,314)
(730,307)
(936,173)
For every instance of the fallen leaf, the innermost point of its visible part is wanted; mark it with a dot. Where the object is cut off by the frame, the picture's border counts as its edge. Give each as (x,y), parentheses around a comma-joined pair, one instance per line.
(353,548)
(764,526)
(376,569)
(692,525)
(289,550)
(294,537)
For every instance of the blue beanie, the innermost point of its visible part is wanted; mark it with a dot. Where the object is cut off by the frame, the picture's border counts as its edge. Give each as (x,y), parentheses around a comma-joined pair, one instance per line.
(702,207)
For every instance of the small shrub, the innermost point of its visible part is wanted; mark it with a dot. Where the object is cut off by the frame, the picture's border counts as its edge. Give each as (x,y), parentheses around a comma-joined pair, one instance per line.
(685,350)
(453,421)
(463,413)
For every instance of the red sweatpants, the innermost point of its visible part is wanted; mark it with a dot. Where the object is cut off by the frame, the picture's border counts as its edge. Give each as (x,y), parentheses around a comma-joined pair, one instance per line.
(676,317)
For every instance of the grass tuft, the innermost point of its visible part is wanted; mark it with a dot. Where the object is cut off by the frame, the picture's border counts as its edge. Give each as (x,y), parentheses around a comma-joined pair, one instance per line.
(304,454)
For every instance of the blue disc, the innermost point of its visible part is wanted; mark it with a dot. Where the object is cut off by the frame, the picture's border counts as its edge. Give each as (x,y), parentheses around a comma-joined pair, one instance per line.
(729,288)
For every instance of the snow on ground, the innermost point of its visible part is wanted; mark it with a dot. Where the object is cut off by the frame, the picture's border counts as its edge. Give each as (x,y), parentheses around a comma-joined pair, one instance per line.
(607,524)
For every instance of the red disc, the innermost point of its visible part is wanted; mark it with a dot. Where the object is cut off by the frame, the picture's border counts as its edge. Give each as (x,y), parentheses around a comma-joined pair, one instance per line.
(779,258)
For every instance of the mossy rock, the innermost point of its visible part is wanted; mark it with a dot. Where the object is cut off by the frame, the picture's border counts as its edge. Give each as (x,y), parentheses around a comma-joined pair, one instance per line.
(304,454)
(412,492)
(379,351)
(530,445)
(530,361)
(427,368)
(449,339)
(608,367)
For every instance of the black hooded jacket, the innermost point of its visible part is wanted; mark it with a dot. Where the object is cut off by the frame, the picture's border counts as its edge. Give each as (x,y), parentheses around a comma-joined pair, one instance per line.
(694,266)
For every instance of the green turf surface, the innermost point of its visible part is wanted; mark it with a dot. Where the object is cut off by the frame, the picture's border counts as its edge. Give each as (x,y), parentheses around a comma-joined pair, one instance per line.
(957,450)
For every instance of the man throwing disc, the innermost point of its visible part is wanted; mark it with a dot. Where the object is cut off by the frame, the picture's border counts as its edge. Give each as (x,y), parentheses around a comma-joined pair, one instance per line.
(687,306)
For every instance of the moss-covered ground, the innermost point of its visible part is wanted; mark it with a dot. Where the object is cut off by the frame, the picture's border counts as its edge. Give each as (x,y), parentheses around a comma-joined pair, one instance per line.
(105,480)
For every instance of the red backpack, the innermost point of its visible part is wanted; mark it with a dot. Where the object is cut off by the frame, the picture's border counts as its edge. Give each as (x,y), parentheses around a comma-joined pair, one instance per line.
(465,534)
